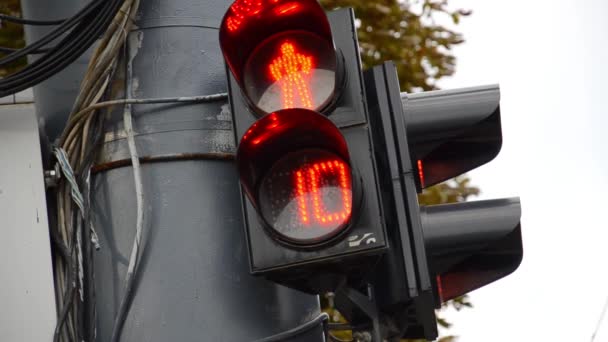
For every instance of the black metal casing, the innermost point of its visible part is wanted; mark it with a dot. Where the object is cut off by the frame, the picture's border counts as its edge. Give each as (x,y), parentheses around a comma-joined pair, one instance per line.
(353,253)
(453,131)
(403,289)
(437,252)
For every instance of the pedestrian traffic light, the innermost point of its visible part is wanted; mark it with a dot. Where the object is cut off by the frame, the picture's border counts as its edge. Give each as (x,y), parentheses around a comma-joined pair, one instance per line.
(313,219)
(437,252)
(330,165)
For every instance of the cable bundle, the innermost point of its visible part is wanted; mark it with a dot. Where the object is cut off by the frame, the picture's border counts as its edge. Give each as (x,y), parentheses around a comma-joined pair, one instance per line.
(79,33)
(76,152)
(77,146)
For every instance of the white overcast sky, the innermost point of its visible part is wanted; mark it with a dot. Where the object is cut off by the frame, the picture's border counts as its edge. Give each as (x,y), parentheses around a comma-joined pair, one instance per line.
(550,58)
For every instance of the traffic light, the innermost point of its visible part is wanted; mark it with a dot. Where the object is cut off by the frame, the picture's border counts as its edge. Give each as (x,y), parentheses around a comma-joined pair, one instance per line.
(312,215)
(469,244)
(331,162)
(437,252)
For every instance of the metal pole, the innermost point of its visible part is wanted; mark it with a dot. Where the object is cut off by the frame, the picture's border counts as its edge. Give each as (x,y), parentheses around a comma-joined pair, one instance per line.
(55,96)
(193,282)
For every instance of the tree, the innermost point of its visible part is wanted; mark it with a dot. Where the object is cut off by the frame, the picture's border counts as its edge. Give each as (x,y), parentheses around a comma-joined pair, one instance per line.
(11,35)
(407,33)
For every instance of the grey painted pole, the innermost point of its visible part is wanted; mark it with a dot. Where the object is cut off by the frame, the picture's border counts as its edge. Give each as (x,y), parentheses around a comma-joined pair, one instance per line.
(55,96)
(193,282)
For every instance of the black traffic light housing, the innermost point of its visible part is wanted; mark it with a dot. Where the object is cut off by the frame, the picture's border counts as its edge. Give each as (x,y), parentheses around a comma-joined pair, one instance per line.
(347,257)
(471,244)
(451,132)
(437,252)
(403,287)
(390,261)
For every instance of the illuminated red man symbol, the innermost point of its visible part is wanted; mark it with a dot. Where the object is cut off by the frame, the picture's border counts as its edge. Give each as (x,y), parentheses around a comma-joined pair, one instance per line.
(291,69)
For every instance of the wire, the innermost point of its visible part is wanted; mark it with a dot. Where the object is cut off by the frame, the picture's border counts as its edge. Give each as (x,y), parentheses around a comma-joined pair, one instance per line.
(35,52)
(297,330)
(23,21)
(186,99)
(182,99)
(599,322)
(49,37)
(85,28)
(81,140)
(139,197)
(72,324)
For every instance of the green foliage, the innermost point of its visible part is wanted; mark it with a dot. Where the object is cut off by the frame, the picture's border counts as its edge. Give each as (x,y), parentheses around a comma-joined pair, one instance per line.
(407,32)
(11,35)
(454,190)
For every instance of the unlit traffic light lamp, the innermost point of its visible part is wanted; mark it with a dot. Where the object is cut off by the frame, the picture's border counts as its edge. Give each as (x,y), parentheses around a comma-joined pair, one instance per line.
(331,163)
(305,156)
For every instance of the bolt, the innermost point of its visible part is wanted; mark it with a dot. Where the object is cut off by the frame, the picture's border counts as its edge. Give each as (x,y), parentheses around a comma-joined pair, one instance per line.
(51,177)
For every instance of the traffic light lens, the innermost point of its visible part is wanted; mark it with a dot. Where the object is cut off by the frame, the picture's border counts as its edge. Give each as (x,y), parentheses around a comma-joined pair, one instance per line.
(294,69)
(242,11)
(306,197)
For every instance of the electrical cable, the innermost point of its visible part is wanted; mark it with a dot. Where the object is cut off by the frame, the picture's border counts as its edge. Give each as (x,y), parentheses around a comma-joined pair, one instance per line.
(35,52)
(181,99)
(85,27)
(54,34)
(139,200)
(67,294)
(24,21)
(81,139)
(68,50)
(323,317)
(599,322)
(72,323)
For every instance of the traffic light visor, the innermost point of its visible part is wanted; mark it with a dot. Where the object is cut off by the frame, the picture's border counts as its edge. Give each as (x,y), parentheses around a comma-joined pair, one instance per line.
(453,131)
(281,53)
(472,244)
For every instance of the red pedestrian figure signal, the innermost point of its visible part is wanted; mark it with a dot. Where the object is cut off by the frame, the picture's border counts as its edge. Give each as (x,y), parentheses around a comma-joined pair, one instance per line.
(292,70)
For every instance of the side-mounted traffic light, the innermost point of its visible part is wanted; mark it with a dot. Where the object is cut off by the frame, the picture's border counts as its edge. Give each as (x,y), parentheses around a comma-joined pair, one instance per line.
(472,244)
(313,219)
(437,252)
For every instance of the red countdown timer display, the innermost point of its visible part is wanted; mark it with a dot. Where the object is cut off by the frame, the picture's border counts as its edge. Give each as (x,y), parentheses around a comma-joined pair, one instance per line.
(295,168)
(294,69)
(307,196)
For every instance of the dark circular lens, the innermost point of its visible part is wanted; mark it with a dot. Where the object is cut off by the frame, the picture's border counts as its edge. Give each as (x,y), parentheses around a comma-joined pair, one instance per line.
(307,196)
(295,69)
